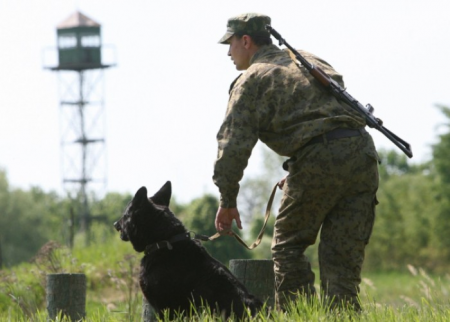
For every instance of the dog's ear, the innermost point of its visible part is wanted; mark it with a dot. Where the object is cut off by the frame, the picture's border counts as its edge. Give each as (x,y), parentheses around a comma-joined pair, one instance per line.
(162,197)
(140,196)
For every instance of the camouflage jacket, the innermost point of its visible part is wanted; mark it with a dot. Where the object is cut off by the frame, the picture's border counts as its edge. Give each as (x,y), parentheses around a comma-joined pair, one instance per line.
(282,105)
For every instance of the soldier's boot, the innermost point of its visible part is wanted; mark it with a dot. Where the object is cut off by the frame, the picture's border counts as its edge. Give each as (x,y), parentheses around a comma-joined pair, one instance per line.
(292,282)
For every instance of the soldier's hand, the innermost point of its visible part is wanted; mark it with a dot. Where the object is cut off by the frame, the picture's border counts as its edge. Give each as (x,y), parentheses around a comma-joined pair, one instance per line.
(225,217)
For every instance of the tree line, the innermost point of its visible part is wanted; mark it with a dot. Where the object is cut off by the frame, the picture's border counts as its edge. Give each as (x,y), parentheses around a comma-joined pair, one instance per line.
(411,227)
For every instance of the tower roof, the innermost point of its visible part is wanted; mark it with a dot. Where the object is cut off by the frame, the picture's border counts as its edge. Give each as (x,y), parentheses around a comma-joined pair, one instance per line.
(77,19)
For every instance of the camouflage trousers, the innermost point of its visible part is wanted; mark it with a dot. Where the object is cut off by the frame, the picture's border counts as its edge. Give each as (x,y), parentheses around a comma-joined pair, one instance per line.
(331,188)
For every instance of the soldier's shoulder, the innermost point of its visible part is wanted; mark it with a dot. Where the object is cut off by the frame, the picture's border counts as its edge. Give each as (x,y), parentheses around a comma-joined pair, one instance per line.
(313,58)
(234,83)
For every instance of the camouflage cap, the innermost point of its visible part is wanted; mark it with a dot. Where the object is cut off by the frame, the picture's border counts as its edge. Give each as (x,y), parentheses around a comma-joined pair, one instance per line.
(252,24)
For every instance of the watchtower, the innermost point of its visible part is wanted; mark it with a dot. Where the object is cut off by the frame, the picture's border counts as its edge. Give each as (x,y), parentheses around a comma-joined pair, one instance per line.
(80,79)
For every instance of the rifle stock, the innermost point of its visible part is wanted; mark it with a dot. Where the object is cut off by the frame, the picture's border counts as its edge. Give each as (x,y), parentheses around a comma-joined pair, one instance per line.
(342,95)
(320,75)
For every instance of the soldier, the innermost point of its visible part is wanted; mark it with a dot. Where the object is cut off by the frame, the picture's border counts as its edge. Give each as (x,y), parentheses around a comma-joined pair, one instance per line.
(333,175)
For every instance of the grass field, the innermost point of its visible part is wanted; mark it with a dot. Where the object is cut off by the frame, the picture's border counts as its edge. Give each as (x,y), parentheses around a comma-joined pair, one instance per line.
(113,293)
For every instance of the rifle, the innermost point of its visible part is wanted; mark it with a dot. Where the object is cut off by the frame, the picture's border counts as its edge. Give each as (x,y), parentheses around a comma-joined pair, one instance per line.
(342,95)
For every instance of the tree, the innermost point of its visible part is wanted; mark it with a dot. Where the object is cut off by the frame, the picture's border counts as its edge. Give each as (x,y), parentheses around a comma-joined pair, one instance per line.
(441,163)
(110,208)
(28,219)
(404,224)
(441,152)
(255,190)
(1,255)
(264,250)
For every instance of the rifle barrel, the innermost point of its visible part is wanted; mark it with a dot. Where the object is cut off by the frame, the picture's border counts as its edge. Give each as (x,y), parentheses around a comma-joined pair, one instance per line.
(342,95)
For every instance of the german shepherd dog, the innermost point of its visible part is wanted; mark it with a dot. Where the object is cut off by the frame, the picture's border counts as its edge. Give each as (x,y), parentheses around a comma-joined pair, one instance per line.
(177,273)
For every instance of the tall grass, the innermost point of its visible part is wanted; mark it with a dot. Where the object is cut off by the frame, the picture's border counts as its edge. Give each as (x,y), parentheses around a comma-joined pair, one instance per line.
(298,311)
(113,294)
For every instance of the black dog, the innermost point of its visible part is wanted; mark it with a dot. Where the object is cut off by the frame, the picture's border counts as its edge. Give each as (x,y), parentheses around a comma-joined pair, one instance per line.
(176,271)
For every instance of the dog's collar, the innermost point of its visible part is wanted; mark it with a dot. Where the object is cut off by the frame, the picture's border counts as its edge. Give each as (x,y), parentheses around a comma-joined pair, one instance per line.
(167,243)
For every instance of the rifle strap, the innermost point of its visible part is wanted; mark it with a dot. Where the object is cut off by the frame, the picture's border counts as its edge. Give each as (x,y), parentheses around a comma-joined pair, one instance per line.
(261,233)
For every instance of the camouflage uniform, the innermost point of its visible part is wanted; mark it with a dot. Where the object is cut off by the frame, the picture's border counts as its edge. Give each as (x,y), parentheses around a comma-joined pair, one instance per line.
(331,185)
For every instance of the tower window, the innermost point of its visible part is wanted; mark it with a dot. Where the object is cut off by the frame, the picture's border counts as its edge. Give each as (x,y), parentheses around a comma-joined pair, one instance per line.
(67,41)
(90,41)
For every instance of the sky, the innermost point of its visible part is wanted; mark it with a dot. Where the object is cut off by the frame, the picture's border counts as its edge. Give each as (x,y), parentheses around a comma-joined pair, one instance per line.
(166,97)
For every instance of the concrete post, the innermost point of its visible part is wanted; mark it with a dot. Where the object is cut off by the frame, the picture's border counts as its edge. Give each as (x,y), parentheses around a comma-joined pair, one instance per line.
(257,276)
(66,293)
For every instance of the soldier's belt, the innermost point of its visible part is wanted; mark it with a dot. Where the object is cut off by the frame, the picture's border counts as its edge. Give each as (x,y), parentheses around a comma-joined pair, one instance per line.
(336,134)
(329,136)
